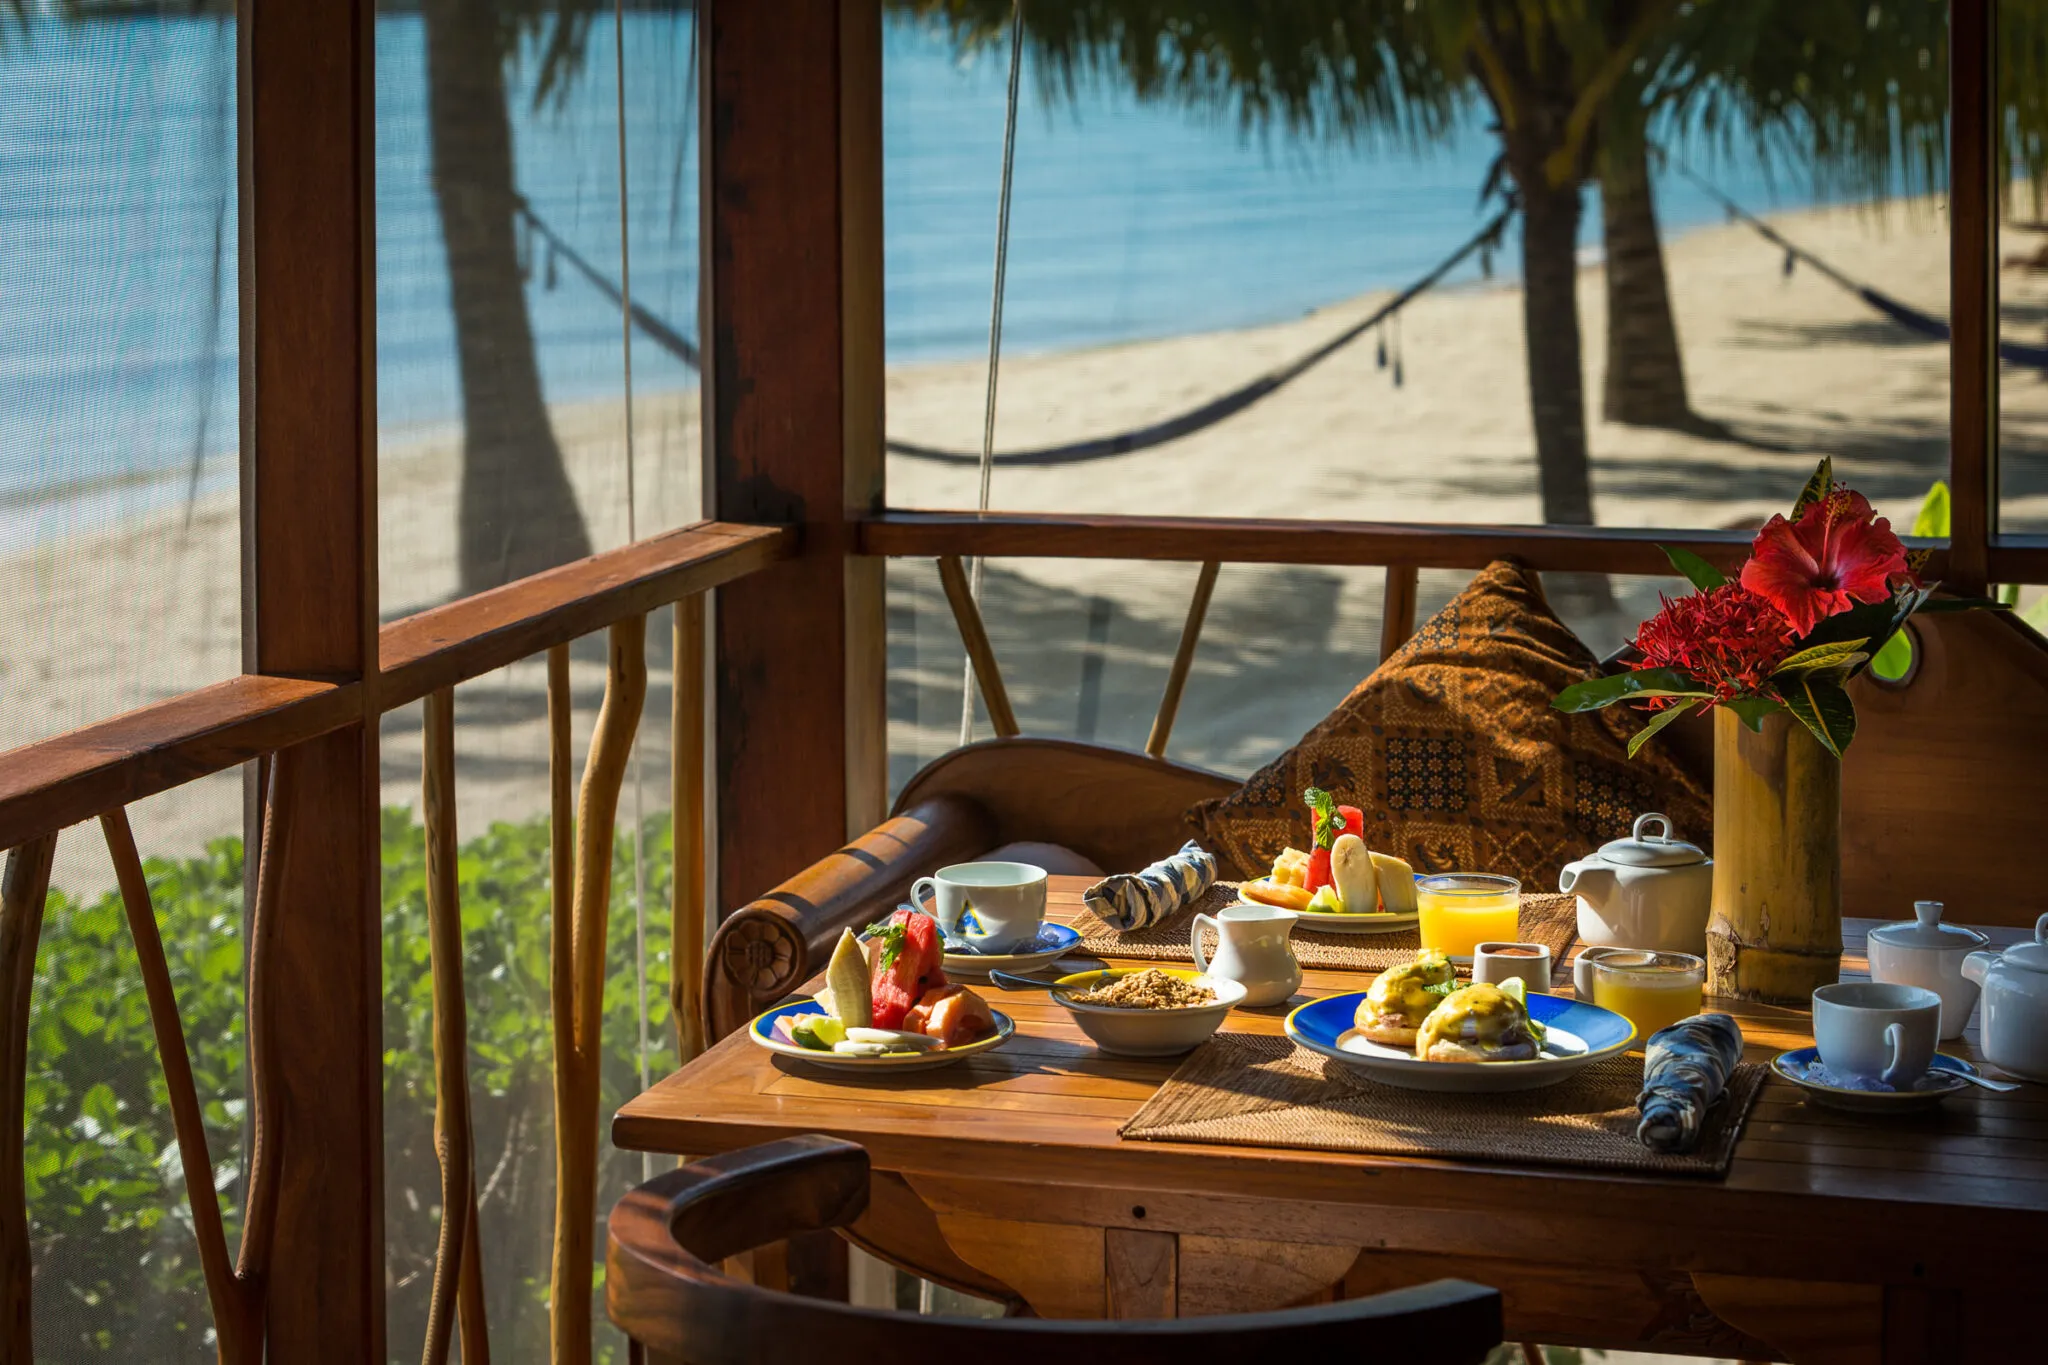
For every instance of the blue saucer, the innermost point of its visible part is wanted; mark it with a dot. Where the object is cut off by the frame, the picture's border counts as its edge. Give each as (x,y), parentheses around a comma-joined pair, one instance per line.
(1054,942)
(1944,1070)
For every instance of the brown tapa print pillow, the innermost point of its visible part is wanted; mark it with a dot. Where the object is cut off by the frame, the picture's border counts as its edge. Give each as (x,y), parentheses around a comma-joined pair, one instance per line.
(1453,751)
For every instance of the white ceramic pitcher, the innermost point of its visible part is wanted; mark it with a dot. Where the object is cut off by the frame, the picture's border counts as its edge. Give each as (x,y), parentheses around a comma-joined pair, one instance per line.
(1251,949)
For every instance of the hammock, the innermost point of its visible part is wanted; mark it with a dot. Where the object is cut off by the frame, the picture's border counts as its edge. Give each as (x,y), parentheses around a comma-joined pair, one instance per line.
(1906,316)
(1122,443)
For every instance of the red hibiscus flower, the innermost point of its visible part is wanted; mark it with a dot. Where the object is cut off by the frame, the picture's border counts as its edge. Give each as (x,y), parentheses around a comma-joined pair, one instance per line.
(1837,554)
(1728,638)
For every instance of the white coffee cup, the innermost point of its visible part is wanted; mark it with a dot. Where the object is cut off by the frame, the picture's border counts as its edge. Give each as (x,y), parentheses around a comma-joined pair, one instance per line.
(993,907)
(1877,1030)
(1497,963)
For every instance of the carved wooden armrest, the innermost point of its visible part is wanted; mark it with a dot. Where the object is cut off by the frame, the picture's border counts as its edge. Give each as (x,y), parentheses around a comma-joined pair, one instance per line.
(767,948)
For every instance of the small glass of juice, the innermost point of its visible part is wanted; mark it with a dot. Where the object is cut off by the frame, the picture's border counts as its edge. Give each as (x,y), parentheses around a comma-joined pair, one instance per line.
(1461,910)
(1650,990)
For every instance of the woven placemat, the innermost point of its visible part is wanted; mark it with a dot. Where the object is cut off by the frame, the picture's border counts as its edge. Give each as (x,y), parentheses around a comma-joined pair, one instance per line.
(1247,1090)
(1551,920)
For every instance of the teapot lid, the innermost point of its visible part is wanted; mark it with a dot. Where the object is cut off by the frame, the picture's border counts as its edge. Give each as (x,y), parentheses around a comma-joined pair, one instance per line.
(2031,954)
(1642,849)
(1925,930)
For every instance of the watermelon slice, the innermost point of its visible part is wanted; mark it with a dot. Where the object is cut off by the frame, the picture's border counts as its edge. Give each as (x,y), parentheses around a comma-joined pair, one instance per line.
(908,961)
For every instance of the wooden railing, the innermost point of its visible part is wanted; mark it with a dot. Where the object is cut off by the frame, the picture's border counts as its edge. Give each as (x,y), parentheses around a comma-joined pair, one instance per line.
(100,770)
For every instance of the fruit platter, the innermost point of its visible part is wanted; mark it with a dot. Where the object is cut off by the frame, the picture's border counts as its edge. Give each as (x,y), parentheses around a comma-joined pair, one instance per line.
(1338,885)
(886,1006)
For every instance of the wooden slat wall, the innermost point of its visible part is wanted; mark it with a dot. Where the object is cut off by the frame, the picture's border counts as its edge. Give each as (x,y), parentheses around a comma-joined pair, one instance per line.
(787,387)
(310,565)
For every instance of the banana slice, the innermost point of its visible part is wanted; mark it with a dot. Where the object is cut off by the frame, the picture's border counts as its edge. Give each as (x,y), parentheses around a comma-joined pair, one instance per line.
(846,977)
(849,1048)
(894,1039)
(1397,883)
(1351,868)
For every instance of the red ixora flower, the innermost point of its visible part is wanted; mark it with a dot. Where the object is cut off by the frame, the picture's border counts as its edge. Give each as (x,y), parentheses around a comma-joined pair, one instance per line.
(1837,554)
(1728,638)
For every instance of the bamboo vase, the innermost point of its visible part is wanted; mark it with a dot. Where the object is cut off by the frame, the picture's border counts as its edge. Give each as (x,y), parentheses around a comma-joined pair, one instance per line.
(1776,931)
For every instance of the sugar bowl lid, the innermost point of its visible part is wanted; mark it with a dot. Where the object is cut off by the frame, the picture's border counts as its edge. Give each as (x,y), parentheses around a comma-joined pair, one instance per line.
(1925,930)
(1641,849)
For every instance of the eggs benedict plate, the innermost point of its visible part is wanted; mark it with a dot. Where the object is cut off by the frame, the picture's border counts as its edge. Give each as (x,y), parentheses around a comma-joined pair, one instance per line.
(1475,1039)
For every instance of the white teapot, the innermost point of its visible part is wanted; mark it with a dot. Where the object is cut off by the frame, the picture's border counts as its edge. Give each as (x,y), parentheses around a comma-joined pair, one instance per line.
(1650,891)
(2015,1019)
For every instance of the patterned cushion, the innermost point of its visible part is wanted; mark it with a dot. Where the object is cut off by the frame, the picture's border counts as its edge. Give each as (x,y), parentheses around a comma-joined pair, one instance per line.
(1454,753)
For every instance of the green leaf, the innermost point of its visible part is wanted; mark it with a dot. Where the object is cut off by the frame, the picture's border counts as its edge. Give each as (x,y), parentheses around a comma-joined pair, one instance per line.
(1933,517)
(1817,487)
(1824,708)
(1595,693)
(1658,722)
(1697,571)
(1838,656)
(1752,710)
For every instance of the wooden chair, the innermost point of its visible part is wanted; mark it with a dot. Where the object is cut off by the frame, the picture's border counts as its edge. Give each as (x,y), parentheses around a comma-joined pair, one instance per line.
(663,1290)
(1067,806)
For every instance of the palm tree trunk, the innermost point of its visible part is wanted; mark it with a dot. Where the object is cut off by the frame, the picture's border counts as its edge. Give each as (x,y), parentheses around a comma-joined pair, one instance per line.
(1550,329)
(518,513)
(1645,383)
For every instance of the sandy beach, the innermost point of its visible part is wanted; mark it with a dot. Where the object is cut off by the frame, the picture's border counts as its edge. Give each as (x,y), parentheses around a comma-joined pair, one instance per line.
(1794,366)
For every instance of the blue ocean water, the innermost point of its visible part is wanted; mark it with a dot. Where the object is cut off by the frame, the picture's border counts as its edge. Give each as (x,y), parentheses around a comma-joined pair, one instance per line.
(117,209)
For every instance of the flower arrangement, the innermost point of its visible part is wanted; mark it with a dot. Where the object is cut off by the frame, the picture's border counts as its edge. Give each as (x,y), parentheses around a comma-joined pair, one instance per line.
(1821,592)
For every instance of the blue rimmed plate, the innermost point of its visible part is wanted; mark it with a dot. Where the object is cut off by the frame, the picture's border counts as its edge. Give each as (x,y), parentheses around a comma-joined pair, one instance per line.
(1054,942)
(762,1031)
(1577,1035)
(1945,1071)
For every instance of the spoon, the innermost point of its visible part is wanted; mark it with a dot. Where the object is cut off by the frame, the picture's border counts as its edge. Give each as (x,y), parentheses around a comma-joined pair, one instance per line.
(1010,981)
(2002,1087)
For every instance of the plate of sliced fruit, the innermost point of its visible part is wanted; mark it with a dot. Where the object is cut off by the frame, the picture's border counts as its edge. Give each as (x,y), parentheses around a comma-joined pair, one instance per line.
(1338,885)
(886,1006)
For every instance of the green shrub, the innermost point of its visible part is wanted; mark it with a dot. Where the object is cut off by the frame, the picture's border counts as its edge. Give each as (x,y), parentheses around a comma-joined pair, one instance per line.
(117,1268)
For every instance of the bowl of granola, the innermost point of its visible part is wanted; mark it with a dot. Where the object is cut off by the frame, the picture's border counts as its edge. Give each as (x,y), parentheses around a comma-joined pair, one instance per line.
(1147,1011)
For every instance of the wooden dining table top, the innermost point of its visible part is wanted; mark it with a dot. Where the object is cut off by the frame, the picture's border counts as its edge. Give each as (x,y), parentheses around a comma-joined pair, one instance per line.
(1886,1199)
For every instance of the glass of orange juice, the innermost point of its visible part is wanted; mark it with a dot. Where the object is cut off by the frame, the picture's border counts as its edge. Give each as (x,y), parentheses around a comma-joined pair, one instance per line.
(1461,910)
(1650,990)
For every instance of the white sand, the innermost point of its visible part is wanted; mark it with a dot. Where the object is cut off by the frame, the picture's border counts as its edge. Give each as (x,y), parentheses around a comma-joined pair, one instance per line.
(123,614)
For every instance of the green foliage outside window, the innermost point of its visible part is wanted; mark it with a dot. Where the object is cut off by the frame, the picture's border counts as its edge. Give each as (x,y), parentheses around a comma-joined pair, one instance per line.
(117,1271)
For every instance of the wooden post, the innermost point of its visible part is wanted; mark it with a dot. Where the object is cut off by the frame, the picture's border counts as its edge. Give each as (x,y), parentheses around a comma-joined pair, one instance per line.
(309,422)
(1973,290)
(988,675)
(687,786)
(22,895)
(1183,660)
(578,996)
(1397,609)
(1776,931)
(457,1258)
(792,397)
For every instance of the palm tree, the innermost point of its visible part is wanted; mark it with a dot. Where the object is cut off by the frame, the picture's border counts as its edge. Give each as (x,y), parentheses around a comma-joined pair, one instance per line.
(1364,69)
(518,512)
(1853,96)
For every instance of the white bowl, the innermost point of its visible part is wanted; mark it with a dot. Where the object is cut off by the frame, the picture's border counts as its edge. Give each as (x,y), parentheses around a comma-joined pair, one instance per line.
(1147,1033)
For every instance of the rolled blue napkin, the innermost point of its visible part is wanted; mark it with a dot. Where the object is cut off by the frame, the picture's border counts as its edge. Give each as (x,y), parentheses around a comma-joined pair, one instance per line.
(1138,900)
(1685,1069)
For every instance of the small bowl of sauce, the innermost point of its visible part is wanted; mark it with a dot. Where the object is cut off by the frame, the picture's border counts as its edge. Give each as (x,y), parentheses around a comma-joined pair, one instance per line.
(1495,963)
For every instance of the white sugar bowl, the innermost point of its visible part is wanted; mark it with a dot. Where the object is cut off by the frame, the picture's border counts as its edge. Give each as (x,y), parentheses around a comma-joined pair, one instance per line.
(1925,952)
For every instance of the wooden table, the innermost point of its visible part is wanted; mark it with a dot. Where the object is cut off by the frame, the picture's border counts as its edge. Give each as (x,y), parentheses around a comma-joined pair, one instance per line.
(1834,1238)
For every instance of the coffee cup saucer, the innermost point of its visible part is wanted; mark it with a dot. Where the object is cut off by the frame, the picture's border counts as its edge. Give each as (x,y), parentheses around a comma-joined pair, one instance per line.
(1053,942)
(1944,1078)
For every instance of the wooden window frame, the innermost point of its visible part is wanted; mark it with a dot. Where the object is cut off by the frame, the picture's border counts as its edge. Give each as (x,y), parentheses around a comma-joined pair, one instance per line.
(794,479)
